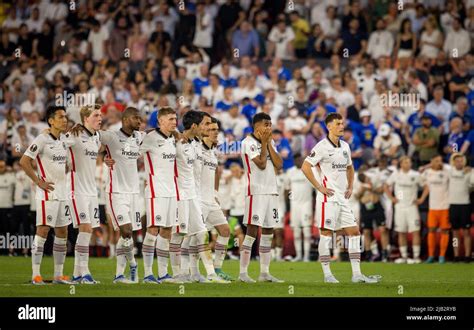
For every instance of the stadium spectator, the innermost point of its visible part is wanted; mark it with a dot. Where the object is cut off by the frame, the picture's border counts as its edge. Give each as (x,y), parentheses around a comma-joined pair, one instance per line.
(426,140)
(387,143)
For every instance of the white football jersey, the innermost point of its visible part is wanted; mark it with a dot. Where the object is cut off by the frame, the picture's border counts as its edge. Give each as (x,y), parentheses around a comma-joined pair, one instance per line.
(301,190)
(22,188)
(197,166)
(281,186)
(50,154)
(186,159)
(208,174)
(332,162)
(438,184)
(459,183)
(122,177)
(259,182)
(7,184)
(159,151)
(405,186)
(82,157)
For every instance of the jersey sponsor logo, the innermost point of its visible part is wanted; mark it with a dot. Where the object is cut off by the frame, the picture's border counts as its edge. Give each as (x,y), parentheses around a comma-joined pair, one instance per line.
(59,158)
(168,156)
(130,153)
(338,166)
(92,154)
(33,148)
(210,164)
(82,216)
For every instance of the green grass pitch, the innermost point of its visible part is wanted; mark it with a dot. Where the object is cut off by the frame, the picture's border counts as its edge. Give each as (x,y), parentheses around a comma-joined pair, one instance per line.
(301,280)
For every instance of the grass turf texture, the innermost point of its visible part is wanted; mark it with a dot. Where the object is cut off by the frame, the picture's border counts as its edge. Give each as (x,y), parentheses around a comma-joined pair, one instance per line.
(301,280)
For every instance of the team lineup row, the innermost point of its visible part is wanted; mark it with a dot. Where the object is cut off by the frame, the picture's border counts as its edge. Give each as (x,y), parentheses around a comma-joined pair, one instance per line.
(180,194)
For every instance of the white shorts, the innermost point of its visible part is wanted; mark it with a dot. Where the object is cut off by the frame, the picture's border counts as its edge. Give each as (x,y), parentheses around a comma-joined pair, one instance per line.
(261,210)
(141,205)
(301,215)
(161,212)
(280,222)
(124,209)
(190,218)
(212,215)
(334,216)
(407,218)
(85,209)
(53,213)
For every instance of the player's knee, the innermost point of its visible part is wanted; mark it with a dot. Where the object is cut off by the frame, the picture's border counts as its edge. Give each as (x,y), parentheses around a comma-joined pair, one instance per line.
(126,232)
(42,231)
(224,230)
(61,232)
(152,231)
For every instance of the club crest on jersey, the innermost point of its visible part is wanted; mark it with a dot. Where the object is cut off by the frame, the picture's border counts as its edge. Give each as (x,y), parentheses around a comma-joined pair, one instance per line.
(182,226)
(312,154)
(119,217)
(50,218)
(158,218)
(255,218)
(252,148)
(328,221)
(82,216)
(412,179)
(33,148)
(345,154)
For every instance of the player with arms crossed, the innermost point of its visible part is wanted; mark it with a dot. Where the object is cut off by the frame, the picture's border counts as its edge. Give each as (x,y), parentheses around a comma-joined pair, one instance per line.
(84,147)
(262,162)
(332,156)
(161,193)
(49,152)
(122,188)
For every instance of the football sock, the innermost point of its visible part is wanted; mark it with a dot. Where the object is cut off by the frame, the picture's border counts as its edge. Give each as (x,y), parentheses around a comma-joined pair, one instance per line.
(306,241)
(205,252)
(220,251)
(443,244)
(59,255)
(81,256)
(37,254)
(148,251)
(121,259)
(185,256)
(431,243)
(175,252)
(325,254)
(265,253)
(354,254)
(162,254)
(245,253)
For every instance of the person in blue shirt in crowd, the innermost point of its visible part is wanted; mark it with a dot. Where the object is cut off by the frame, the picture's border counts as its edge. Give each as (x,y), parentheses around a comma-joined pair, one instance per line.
(284,149)
(468,147)
(249,109)
(230,149)
(367,130)
(227,102)
(455,138)
(202,81)
(414,120)
(461,111)
(355,145)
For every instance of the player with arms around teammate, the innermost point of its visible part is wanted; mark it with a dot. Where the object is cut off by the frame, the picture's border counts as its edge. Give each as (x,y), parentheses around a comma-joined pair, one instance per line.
(261,162)
(122,188)
(405,183)
(83,148)
(49,152)
(161,193)
(212,212)
(332,156)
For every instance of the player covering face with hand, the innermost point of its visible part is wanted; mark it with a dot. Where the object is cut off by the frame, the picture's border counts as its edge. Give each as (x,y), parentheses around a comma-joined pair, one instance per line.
(332,157)
(261,162)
